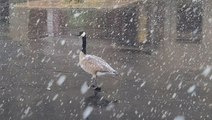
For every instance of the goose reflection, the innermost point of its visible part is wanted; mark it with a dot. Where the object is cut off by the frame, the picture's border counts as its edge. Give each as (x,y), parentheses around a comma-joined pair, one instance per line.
(98,101)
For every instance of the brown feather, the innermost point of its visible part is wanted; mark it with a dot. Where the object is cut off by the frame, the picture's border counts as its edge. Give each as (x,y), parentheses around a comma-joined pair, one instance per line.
(93,64)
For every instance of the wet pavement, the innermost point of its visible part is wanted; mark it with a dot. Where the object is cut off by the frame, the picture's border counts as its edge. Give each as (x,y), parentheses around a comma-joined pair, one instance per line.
(40,80)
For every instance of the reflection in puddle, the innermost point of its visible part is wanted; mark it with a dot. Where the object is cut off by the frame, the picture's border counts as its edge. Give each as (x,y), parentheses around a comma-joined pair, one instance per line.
(99,101)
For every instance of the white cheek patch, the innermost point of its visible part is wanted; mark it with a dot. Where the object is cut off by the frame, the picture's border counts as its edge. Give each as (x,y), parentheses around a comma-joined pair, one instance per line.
(83,34)
(102,73)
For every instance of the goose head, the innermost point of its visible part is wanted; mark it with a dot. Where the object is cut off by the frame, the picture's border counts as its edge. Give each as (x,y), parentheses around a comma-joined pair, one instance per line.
(82,34)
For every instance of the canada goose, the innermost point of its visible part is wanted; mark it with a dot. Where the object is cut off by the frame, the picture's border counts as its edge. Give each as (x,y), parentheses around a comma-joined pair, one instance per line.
(92,64)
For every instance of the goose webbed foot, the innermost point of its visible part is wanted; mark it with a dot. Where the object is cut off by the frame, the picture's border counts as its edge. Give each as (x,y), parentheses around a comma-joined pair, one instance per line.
(96,88)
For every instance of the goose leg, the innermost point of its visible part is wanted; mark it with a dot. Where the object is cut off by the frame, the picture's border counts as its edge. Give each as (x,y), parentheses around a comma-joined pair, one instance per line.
(95,87)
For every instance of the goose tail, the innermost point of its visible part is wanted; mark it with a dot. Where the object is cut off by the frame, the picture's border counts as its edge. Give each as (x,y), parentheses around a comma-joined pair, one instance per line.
(115,73)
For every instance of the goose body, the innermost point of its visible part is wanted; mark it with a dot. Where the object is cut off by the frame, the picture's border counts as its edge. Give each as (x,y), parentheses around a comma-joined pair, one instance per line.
(95,66)
(92,64)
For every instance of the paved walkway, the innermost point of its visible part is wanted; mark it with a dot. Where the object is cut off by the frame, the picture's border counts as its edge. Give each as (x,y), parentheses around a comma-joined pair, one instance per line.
(41,80)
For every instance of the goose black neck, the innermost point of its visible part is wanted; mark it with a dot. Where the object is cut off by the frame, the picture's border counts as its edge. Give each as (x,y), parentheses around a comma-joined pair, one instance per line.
(84,44)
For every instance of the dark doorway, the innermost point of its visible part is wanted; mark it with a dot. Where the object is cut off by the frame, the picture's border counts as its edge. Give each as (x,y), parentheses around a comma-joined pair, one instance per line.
(4,16)
(4,11)
(37,23)
(189,20)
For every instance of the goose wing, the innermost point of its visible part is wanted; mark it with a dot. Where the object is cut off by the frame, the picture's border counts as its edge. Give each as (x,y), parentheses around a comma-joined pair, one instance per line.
(96,64)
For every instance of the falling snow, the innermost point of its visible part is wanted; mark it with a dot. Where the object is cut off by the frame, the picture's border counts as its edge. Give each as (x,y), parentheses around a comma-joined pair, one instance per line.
(49,85)
(61,80)
(62,42)
(87,112)
(143,84)
(180,85)
(110,106)
(191,89)
(168,86)
(207,71)
(174,95)
(55,97)
(129,71)
(210,20)
(26,113)
(84,88)
(77,15)
(179,118)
